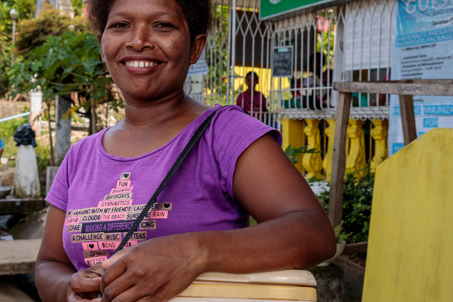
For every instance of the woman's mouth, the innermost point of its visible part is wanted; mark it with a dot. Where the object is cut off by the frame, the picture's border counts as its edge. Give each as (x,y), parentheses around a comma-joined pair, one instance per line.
(140,64)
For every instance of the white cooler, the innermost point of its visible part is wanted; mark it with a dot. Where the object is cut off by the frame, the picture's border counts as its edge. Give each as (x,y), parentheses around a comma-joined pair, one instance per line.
(291,285)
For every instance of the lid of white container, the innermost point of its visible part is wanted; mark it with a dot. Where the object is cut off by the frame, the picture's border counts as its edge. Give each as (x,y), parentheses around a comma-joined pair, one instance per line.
(289,277)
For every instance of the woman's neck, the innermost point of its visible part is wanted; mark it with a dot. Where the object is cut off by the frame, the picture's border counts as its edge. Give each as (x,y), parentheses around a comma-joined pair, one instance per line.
(251,92)
(149,113)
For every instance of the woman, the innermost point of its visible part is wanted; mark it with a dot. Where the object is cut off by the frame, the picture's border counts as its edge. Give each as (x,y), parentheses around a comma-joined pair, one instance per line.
(252,100)
(199,223)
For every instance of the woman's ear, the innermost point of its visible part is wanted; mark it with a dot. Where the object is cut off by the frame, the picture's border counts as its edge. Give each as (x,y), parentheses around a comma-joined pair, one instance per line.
(197,47)
(100,45)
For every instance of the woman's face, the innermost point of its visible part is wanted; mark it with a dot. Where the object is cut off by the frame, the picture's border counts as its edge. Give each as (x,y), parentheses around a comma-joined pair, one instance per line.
(147,49)
(248,81)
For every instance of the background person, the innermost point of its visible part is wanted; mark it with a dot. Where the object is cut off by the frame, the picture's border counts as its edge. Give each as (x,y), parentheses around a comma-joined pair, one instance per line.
(251,100)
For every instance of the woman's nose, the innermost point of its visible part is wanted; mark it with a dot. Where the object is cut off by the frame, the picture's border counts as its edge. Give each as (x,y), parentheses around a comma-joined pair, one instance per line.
(140,38)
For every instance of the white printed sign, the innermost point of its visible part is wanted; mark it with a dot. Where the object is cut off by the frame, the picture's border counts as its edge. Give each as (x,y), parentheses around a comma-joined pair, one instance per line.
(423,49)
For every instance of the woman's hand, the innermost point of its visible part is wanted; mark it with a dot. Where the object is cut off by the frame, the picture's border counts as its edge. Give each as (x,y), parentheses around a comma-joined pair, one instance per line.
(154,270)
(85,285)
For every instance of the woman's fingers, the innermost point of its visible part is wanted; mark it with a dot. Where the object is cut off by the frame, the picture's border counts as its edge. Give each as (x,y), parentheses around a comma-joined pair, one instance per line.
(74,297)
(116,270)
(106,264)
(137,292)
(155,270)
(86,285)
(96,269)
(86,281)
(118,285)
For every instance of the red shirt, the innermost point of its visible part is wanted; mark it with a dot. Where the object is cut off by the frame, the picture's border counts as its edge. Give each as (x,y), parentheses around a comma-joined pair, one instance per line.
(259,102)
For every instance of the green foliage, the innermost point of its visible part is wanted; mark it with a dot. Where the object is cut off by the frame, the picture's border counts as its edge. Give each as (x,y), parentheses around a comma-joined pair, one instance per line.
(218,52)
(43,154)
(25,9)
(293,152)
(7,130)
(340,234)
(5,63)
(325,42)
(357,198)
(33,33)
(78,6)
(62,65)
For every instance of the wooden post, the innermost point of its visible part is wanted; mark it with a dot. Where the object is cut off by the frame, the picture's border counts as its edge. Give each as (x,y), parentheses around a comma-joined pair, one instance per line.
(408,118)
(339,158)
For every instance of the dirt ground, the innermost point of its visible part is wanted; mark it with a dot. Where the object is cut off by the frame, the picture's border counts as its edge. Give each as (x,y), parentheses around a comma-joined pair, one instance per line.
(8,178)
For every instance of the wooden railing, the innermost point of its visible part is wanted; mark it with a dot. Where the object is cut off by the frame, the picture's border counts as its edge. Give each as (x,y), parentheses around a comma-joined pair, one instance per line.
(406,90)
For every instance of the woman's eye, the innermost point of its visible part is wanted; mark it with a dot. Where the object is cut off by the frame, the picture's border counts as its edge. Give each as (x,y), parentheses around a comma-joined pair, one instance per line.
(119,25)
(164,24)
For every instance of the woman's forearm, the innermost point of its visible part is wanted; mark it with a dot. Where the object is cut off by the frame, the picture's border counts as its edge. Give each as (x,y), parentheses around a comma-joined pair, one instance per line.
(289,242)
(52,280)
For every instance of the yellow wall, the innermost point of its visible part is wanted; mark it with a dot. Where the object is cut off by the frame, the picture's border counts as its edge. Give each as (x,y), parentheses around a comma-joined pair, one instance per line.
(410,250)
(293,134)
(265,77)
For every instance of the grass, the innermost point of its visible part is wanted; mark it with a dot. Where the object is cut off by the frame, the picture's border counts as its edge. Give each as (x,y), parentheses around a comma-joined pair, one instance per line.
(7,130)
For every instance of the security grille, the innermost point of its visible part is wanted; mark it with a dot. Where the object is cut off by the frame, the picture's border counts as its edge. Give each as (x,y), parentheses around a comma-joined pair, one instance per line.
(342,43)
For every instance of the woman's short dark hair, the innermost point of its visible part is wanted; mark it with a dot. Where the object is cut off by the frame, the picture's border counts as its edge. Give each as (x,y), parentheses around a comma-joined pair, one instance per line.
(254,74)
(198,15)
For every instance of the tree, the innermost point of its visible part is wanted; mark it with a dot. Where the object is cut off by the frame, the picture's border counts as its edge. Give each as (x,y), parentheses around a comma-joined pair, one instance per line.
(61,66)
(51,22)
(25,9)
(78,6)
(217,51)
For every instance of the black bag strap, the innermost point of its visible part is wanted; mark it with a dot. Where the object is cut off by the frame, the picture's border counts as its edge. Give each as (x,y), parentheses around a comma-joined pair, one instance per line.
(170,173)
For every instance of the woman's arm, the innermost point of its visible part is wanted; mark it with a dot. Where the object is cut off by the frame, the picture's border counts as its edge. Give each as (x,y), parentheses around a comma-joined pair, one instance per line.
(293,232)
(293,229)
(56,277)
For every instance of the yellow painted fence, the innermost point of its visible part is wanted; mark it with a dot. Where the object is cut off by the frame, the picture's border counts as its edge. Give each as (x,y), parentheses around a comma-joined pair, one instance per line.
(298,133)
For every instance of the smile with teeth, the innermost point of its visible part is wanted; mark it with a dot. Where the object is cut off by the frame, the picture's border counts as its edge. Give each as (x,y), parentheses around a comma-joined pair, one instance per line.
(140,64)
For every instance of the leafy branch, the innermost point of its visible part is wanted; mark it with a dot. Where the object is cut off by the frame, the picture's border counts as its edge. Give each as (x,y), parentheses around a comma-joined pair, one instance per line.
(293,152)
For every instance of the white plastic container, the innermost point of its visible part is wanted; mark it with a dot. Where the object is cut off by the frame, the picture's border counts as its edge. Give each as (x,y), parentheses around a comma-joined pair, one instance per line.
(291,285)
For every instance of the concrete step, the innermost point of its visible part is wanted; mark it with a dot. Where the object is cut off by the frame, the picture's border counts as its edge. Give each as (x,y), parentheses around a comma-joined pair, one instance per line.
(21,205)
(18,256)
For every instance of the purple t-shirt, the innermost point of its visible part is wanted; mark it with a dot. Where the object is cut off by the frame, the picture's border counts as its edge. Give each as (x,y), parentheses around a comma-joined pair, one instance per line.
(102,194)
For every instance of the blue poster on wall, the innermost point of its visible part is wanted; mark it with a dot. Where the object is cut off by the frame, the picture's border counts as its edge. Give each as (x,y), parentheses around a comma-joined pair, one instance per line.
(422,49)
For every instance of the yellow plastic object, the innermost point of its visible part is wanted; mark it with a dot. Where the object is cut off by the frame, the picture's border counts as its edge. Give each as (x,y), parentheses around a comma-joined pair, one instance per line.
(293,134)
(270,286)
(410,244)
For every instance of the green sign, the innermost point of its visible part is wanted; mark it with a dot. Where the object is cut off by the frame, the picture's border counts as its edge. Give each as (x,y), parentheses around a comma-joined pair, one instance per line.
(274,8)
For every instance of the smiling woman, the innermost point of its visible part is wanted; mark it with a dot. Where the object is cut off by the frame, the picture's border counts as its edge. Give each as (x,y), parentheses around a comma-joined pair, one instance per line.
(200,220)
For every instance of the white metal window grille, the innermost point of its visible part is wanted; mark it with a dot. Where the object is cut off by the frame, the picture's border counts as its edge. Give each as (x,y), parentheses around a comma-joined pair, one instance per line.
(348,42)
(367,27)
(308,93)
